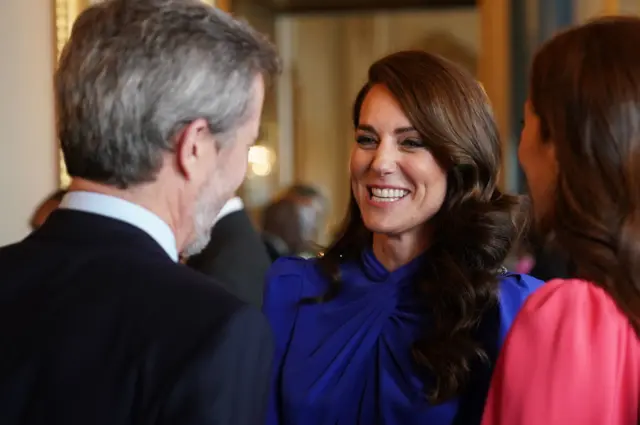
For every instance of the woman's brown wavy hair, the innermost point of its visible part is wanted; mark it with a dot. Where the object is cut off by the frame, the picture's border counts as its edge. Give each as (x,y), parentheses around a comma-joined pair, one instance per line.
(473,231)
(585,87)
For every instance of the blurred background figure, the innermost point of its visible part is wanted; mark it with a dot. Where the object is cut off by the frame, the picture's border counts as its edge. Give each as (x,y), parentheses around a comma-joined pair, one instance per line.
(236,255)
(520,260)
(292,223)
(537,254)
(313,208)
(45,208)
(540,257)
(281,229)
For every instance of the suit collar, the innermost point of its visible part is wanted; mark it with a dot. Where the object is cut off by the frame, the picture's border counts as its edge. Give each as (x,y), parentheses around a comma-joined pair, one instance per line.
(97,232)
(233,205)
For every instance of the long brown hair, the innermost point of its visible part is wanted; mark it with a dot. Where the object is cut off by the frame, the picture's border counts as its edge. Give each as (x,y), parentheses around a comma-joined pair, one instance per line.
(585,87)
(474,228)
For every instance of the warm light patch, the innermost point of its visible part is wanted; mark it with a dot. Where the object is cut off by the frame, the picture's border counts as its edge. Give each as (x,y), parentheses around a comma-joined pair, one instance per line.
(261,160)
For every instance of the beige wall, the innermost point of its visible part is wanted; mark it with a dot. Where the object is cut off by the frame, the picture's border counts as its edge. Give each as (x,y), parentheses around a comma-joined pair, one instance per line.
(326,61)
(27,143)
(629,7)
(258,190)
(587,9)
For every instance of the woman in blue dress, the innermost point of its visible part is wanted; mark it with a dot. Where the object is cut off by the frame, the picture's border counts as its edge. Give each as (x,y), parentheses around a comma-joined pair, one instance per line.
(400,321)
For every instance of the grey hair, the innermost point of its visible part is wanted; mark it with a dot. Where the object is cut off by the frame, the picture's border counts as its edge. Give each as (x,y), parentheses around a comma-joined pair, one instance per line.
(136,72)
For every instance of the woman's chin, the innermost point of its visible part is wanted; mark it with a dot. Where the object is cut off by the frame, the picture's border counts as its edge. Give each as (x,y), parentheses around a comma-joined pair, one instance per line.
(383,228)
(393,227)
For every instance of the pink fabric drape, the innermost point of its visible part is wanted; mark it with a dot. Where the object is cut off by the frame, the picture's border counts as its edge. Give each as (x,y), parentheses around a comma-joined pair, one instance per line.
(571,358)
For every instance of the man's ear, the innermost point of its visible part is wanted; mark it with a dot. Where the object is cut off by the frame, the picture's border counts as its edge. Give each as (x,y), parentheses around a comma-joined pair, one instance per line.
(192,144)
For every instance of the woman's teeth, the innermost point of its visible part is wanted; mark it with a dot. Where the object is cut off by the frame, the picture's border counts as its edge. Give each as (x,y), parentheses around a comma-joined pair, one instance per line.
(387,195)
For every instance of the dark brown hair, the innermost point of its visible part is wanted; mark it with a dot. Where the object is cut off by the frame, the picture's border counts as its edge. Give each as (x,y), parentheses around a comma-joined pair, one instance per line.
(585,87)
(475,227)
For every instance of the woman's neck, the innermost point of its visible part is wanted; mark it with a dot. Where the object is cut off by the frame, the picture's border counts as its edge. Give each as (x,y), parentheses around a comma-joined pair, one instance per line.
(394,251)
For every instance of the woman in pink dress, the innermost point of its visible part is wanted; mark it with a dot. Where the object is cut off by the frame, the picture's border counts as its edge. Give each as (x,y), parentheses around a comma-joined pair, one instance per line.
(573,354)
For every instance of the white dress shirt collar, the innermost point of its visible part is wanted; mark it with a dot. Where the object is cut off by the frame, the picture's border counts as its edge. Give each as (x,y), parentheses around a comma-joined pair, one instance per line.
(234,204)
(128,212)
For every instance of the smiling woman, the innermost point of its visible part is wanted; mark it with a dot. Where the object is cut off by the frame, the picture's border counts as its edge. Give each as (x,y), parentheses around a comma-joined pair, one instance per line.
(400,321)
(396,181)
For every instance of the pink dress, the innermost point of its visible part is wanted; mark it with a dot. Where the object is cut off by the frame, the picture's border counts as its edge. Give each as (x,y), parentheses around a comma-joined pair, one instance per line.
(571,358)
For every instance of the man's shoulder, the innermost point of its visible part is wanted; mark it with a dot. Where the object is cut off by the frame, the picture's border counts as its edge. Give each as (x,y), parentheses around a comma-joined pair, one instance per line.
(180,282)
(10,249)
(150,282)
(185,305)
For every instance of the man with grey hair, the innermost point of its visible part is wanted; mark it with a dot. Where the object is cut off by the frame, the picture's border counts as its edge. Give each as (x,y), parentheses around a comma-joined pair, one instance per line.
(158,102)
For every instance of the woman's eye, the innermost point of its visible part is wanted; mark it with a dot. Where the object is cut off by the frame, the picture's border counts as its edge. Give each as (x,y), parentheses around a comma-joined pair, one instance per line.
(413,143)
(365,140)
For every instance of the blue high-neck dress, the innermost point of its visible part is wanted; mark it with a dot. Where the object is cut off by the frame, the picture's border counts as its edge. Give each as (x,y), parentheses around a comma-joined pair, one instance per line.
(348,361)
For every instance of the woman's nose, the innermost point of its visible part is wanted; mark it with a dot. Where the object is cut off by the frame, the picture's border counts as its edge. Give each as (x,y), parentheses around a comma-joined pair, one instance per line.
(385,160)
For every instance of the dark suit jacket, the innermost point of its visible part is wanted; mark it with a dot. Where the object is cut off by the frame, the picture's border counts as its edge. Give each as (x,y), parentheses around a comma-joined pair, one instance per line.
(236,257)
(99,326)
